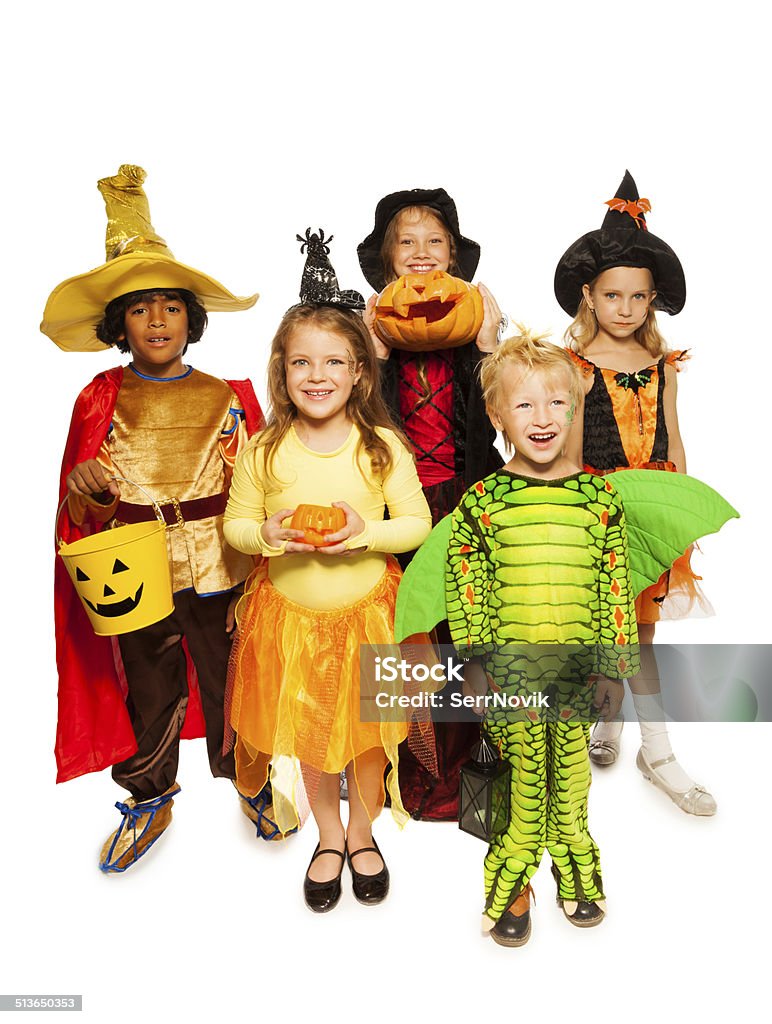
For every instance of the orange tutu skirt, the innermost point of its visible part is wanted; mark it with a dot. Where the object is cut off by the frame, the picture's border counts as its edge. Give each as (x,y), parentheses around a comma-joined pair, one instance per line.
(294,693)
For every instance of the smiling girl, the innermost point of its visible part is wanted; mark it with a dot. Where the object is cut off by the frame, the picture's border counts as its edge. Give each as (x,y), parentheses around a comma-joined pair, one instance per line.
(436,398)
(611,281)
(296,664)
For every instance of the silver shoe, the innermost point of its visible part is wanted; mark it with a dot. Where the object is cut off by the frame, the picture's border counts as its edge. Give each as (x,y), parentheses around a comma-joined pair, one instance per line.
(603,752)
(696,800)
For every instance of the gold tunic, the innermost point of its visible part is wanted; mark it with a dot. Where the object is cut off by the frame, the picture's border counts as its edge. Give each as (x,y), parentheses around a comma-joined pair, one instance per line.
(178,438)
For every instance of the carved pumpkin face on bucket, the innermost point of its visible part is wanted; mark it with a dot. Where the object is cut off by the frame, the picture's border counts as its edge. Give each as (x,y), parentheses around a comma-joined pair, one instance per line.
(423,312)
(318,522)
(122,577)
(111,604)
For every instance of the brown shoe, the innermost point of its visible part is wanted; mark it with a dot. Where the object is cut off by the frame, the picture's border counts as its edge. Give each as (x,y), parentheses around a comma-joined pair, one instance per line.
(143,822)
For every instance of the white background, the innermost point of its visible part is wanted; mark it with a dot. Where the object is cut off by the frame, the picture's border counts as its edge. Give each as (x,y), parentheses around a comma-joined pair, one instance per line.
(254,122)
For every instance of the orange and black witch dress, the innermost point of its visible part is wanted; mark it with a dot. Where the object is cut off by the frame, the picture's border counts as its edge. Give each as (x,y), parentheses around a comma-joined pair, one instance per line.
(624,428)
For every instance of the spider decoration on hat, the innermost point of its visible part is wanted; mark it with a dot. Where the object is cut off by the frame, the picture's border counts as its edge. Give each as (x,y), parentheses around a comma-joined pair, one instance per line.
(319,284)
(316,244)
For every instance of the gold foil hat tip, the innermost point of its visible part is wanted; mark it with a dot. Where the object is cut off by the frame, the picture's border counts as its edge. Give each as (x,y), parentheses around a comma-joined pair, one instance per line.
(129,228)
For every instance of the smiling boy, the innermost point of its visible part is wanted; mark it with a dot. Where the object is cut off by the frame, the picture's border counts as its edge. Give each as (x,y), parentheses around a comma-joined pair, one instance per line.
(174,432)
(538,555)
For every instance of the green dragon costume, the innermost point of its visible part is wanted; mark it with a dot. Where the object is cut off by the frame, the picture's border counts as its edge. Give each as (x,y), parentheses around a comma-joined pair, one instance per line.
(546,562)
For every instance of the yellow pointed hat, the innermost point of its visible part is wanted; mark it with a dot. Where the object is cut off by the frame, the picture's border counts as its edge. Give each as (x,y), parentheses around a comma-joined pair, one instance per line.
(137,258)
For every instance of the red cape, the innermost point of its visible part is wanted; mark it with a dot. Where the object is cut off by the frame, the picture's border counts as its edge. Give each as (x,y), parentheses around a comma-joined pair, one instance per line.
(93,730)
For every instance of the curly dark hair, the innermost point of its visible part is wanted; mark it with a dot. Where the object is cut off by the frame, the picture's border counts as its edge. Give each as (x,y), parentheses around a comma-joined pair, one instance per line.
(113,323)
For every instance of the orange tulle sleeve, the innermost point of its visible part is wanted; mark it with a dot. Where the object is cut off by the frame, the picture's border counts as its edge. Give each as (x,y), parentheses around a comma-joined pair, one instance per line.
(676,358)
(585,366)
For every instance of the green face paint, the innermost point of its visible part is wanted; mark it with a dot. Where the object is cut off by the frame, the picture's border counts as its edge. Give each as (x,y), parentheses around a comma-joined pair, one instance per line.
(570,413)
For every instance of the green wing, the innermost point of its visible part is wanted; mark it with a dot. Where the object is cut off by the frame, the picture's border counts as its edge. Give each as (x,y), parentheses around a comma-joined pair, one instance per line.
(665,513)
(421,594)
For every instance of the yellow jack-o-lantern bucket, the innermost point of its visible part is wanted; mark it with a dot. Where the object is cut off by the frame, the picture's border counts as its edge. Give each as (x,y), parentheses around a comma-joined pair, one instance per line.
(122,576)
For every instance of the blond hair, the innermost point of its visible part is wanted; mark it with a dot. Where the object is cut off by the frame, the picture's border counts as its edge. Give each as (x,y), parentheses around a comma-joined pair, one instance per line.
(365,406)
(533,353)
(584,329)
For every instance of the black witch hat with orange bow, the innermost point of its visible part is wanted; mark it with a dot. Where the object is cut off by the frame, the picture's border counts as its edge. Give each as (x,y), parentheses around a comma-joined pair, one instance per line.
(623,240)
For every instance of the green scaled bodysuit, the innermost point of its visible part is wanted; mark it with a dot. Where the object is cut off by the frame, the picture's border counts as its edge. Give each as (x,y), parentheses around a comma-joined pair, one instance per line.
(543,562)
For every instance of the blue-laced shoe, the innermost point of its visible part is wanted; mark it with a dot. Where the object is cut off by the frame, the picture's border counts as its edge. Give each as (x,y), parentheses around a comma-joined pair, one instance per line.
(142,823)
(256,808)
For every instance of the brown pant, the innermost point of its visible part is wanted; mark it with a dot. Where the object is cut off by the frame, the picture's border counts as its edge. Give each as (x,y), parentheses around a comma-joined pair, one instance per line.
(156,671)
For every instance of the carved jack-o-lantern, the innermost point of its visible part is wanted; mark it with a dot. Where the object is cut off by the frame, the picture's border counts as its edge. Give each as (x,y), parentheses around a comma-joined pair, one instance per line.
(318,522)
(122,577)
(423,312)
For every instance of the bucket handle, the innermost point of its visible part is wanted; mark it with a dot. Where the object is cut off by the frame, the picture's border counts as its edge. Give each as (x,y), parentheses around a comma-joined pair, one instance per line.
(157,508)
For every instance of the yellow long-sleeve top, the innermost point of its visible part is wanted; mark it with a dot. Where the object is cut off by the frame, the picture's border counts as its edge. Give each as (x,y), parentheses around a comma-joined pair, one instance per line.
(302,476)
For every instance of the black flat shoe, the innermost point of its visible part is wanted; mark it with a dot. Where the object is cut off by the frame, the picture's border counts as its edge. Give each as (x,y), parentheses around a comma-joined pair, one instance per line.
(323,896)
(369,889)
(513,928)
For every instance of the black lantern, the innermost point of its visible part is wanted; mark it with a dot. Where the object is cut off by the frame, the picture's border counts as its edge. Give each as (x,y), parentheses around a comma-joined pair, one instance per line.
(483,809)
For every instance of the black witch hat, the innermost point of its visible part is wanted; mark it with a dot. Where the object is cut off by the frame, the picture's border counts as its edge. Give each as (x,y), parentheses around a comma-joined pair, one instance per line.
(369,251)
(623,240)
(319,284)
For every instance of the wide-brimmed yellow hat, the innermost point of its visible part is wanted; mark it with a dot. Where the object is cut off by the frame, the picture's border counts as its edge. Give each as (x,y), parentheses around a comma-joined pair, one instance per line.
(137,258)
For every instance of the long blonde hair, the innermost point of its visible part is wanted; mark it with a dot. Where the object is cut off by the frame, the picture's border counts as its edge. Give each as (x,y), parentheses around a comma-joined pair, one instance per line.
(365,406)
(388,251)
(584,329)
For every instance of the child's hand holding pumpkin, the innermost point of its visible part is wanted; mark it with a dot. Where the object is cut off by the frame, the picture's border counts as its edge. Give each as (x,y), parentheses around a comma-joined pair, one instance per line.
(336,542)
(487,339)
(382,350)
(274,534)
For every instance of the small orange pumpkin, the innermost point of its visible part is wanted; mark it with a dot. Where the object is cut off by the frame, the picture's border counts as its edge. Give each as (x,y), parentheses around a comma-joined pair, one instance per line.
(423,312)
(317,522)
